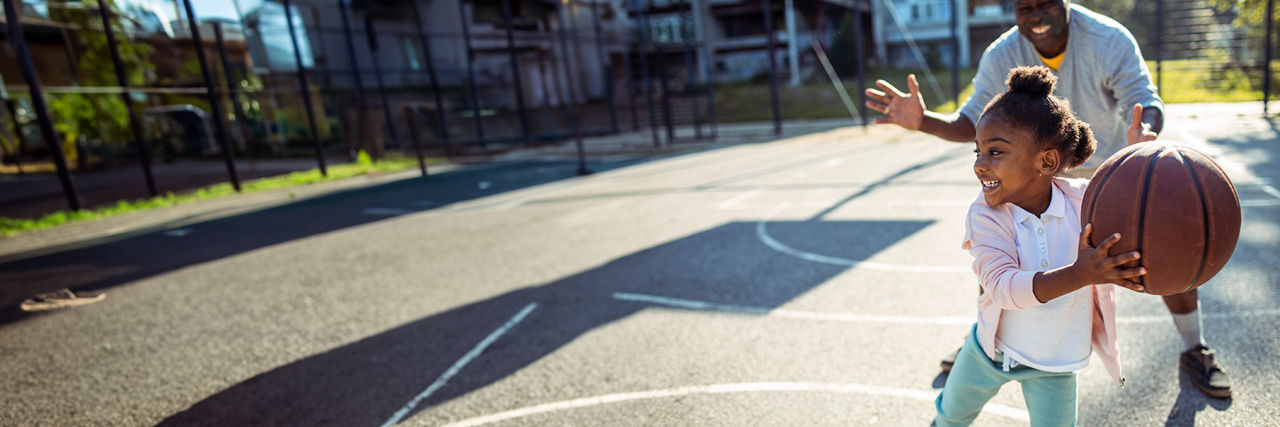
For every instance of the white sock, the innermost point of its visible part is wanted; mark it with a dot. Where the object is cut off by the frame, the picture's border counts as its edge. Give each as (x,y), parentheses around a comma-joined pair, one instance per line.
(1189,327)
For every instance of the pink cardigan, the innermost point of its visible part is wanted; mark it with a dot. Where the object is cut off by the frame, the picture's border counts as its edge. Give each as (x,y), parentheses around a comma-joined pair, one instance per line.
(989,237)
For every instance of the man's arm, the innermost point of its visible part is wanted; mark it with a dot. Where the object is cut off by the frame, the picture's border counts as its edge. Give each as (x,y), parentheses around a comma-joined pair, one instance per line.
(907,110)
(952,127)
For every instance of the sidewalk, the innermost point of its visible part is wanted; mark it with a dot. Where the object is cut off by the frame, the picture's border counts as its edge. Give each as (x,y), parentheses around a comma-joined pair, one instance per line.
(33,191)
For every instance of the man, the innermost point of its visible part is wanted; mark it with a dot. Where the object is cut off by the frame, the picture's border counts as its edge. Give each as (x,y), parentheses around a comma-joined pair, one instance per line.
(1101,72)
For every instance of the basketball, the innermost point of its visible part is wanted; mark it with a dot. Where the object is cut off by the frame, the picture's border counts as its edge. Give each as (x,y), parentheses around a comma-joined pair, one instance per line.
(1170,202)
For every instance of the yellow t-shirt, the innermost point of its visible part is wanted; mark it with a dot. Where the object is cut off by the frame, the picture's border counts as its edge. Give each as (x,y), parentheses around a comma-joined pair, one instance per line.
(1054,62)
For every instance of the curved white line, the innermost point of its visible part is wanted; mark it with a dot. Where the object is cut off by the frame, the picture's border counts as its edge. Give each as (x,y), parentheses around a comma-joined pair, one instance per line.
(763,234)
(757,387)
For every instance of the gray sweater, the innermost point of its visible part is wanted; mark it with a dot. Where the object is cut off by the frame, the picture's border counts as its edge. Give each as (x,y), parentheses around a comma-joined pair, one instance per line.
(1102,76)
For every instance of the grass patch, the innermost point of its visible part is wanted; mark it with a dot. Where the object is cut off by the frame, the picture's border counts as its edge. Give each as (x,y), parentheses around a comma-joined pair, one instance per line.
(749,102)
(363,165)
(1189,81)
(1183,81)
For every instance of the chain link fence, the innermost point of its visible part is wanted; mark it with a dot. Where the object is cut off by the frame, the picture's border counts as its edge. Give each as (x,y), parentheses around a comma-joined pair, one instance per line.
(441,78)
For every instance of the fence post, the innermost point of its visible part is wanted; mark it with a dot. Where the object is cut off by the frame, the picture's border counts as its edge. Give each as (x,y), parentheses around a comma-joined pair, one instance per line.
(19,41)
(572,99)
(344,10)
(431,71)
(409,113)
(608,68)
(692,77)
(135,124)
(862,59)
(1160,46)
(371,36)
(305,86)
(643,23)
(232,93)
(471,74)
(515,69)
(1266,66)
(631,88)
(955,52)
(218,117)
(773,68)
(666,95)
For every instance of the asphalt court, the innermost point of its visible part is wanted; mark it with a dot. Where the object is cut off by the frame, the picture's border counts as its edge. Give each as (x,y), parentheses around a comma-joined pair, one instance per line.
(887,218)
(812,280)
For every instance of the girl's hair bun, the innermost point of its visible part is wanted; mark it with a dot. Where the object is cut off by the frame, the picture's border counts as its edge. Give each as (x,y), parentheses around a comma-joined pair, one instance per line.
(1034,81)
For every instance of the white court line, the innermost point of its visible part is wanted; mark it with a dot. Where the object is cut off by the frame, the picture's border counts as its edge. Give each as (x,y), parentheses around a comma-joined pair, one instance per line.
(756,387)
(914,320)
(1266,188)
(384,211)
(457,366)
(508,205)
(763,234)
(735,200)
(1255,203)
(178,232)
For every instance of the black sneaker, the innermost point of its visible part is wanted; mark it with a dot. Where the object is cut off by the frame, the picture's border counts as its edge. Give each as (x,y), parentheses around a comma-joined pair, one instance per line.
(1202,364)
(950,360)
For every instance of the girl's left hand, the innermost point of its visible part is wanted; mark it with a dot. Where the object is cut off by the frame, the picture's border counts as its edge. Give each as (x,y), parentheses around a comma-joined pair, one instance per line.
(1139,131)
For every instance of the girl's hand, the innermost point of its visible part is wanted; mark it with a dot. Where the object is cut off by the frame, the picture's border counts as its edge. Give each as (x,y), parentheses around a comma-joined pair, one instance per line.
(1094,266)
(902,109)
(1139,131)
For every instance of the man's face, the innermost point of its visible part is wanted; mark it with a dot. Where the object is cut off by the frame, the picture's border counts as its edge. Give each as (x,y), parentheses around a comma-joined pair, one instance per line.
(1044,24)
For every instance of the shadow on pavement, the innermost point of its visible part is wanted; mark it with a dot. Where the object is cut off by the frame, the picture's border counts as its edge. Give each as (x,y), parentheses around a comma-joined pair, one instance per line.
(1191,401)
(366,382)
(116,262)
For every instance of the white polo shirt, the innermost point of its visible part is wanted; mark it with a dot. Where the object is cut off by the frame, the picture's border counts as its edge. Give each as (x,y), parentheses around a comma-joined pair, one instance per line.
(1054,336)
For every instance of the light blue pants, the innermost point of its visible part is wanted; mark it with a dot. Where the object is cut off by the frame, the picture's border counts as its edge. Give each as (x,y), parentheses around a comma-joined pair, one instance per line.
(975,379)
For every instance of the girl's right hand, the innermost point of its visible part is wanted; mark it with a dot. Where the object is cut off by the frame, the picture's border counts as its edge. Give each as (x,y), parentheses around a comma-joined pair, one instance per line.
(1094,266)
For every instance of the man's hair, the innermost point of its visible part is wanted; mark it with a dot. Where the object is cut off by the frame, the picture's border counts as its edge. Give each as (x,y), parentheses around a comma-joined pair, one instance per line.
(1029,104)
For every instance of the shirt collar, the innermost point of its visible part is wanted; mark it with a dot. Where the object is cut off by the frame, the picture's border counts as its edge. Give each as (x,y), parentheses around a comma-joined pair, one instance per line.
(1057,208)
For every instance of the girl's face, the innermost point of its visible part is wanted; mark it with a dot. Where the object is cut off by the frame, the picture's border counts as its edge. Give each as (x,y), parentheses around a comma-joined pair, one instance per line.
(1010,167)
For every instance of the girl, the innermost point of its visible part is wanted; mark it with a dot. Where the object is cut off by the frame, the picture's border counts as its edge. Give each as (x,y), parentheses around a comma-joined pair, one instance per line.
(1047,301)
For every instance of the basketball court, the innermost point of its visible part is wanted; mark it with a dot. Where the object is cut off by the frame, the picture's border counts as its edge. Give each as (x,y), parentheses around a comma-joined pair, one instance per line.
(812,280)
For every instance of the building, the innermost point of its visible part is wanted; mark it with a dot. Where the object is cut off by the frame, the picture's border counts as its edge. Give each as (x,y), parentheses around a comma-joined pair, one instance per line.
(908,31)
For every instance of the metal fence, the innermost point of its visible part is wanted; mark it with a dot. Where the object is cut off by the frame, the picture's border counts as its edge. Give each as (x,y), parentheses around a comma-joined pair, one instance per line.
(134,84)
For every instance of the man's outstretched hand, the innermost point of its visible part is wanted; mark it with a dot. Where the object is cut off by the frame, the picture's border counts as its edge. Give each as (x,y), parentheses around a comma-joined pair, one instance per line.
(902,109)
(1139,131)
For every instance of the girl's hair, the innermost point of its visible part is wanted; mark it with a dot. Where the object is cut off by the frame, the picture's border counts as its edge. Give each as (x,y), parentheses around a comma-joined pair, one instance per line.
(1029,104)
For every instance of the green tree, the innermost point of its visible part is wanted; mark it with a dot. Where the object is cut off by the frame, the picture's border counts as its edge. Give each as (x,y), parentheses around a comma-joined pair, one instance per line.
(99,118)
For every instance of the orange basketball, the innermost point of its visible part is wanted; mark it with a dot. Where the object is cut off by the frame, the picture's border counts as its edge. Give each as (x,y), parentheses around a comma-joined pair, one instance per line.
(1170,202)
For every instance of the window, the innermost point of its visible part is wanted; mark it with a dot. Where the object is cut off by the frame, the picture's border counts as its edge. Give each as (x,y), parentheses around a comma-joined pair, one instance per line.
(924,10)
